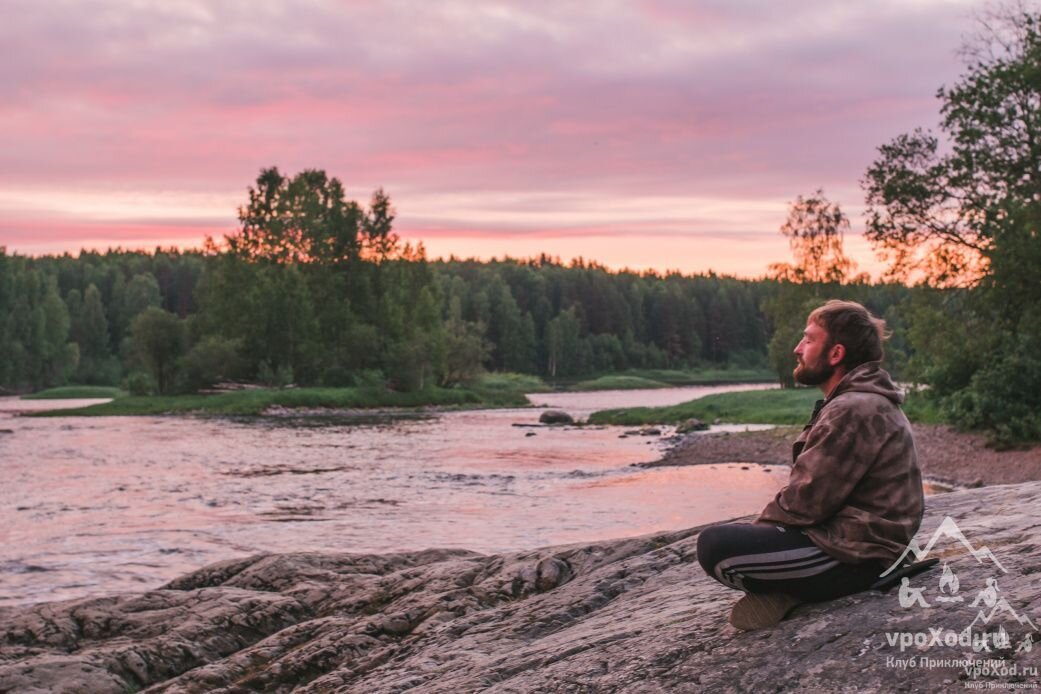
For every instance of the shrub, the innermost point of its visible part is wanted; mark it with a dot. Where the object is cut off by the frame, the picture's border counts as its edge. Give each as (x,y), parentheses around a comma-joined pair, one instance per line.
(139,383)
(211,360)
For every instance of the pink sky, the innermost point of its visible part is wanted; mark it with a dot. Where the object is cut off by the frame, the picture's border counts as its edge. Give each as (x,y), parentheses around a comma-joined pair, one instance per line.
(649,134)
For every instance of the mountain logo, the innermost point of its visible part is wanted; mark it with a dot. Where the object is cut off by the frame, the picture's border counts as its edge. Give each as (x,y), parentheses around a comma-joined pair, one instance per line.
(947,529)
(1000,609)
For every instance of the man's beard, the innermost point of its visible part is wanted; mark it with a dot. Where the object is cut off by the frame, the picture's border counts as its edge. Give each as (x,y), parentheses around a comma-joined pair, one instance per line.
(815,374)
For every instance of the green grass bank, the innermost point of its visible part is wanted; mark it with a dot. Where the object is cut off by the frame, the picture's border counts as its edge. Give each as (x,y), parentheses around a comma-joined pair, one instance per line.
(666,378)
(775,406)
(491,390)
(255,402)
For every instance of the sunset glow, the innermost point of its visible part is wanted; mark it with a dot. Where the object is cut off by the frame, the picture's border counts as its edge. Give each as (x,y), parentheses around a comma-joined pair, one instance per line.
(652,135)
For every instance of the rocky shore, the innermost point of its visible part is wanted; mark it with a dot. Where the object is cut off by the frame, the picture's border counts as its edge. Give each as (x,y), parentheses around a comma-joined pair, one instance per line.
(944,454)
(627,615)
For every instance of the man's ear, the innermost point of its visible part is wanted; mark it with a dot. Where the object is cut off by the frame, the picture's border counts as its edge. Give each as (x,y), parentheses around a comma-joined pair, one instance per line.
(836,354)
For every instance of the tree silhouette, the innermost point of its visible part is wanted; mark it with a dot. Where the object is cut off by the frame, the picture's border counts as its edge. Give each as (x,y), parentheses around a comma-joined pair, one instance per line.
(937,208)
(815,228)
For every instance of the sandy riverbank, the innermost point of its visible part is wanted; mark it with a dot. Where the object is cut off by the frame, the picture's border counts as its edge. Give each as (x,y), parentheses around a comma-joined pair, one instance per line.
(944,454)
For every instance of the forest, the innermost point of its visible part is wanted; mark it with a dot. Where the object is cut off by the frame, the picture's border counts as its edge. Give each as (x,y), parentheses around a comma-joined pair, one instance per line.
(169,321)
(317,289)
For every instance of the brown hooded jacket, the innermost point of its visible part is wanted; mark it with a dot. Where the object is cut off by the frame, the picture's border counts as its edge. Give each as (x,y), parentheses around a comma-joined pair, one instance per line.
(855,487)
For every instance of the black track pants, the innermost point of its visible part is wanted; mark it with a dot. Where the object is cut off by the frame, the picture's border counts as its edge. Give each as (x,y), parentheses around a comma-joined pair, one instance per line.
(778,559)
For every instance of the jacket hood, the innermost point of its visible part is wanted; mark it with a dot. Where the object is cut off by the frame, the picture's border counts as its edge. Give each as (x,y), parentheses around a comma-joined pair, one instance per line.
(869,377)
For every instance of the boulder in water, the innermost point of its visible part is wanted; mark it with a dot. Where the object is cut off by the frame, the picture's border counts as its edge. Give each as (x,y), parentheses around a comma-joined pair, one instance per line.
(556,417)
(692,424)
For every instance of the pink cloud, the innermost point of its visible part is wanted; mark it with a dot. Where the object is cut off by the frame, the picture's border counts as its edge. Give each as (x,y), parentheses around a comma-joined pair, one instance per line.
(706,99)
(36,237)
(36,231)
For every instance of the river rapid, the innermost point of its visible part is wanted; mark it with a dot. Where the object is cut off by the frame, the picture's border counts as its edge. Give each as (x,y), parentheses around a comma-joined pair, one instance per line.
(97,506)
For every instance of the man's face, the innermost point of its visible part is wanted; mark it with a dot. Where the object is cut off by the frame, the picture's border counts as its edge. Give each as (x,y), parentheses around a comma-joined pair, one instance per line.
(812,355)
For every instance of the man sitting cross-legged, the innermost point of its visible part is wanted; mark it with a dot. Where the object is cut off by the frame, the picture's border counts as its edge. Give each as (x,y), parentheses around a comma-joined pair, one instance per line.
(854,498)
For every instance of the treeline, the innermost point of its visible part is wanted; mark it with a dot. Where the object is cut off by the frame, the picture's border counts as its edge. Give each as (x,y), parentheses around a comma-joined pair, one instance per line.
(542,317)
(176,322)
(316,289)
(65,319)
(102,295)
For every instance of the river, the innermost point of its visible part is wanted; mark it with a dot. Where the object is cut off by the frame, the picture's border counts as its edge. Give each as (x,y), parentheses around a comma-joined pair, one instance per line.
(96,506)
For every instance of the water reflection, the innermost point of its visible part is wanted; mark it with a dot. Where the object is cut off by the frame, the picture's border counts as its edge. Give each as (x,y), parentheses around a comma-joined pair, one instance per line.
(97,506)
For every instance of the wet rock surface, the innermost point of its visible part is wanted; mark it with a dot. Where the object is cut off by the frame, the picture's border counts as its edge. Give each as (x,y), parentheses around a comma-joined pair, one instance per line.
(632,615)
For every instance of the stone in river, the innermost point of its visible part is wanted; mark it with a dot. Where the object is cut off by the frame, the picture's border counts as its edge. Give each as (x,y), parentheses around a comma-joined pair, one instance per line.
(556,417)
(692,424)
